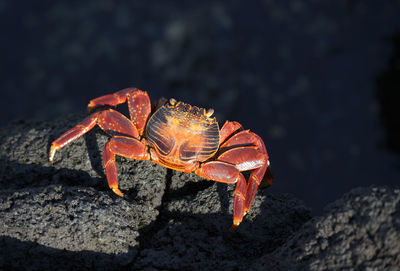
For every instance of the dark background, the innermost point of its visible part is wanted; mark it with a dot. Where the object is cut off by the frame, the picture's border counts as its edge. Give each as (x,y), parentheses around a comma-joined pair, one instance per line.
(318,81)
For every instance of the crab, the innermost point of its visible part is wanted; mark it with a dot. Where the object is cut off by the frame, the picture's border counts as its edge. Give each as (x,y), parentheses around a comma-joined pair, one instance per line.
(178,136)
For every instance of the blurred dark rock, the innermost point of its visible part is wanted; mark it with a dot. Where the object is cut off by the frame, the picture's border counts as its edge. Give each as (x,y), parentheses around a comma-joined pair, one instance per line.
(360,231)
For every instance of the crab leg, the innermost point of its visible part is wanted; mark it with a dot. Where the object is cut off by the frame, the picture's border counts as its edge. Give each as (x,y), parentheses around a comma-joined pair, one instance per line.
(231,149)
(239,201)
(244,158)
(237,141)
(251,157)
(114,123)
(111,121)
(114,99)
(80,129)
(228,129)
(257,175)
(123,146)
(240,139)
(220,171)
(138,104)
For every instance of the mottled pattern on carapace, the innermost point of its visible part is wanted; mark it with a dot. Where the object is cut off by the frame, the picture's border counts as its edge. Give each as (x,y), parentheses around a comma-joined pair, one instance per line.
(182,134)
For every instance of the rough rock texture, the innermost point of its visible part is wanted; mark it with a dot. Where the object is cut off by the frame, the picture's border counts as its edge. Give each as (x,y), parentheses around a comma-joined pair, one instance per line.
(65,207)
(194,236)
(63,215)
(56,218)
(360,231)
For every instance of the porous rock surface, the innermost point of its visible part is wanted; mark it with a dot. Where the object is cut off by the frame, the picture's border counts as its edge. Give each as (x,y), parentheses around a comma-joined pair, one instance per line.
(63,216)
(50,213)
(360,231)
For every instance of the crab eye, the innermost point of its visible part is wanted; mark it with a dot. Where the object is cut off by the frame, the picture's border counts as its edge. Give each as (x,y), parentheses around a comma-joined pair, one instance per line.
(172,101)
(209,112)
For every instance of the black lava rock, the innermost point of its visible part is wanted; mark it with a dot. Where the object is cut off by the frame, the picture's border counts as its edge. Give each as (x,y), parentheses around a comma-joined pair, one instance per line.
(63,216)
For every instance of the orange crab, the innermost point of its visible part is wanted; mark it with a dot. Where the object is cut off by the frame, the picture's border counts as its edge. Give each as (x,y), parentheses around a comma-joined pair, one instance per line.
(178,136)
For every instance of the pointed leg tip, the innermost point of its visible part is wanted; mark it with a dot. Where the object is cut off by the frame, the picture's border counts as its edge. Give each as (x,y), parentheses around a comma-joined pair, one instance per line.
(52,153)
(118,192)
(233,228)
(235,224)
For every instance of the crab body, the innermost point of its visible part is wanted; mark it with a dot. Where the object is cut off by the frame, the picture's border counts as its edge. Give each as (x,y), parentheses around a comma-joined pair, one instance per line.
(179,136)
